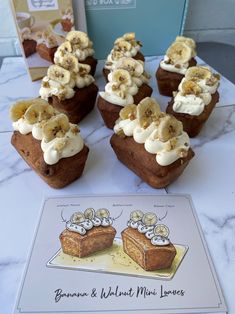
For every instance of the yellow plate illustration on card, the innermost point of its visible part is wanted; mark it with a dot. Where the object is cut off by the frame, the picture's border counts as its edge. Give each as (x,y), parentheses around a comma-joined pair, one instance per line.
(114,260)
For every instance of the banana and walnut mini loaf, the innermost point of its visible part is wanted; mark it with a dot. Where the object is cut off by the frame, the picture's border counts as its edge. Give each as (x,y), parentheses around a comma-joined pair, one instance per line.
(179,57)
(146,241)
(151,143)
(88,232)
(195,99)
(125,46)
(47,44)
(46,140)
(128,84)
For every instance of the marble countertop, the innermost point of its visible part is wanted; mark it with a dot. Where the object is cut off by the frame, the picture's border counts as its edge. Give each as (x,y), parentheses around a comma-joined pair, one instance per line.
(209,178)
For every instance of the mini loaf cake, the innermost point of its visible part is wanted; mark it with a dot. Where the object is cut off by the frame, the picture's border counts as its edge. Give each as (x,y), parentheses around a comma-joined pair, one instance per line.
(67,19)
(151,143)
(69,87)
(195,99)
(46,140)
(128,84)
(146,241)
(28,43)
(46,44)
(88,232)
(78,44)
(179,57)
(125,46)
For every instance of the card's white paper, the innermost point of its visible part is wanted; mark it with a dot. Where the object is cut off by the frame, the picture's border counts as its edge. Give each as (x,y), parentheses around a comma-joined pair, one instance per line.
(58,283)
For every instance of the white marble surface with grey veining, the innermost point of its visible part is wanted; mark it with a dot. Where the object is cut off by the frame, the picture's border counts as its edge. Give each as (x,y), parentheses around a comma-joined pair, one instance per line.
(209,178)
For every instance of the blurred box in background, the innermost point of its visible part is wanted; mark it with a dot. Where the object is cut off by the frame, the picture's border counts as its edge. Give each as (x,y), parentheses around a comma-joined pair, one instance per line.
(155,22)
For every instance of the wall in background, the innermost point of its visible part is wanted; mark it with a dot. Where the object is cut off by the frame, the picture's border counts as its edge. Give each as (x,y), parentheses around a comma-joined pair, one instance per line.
(207,20)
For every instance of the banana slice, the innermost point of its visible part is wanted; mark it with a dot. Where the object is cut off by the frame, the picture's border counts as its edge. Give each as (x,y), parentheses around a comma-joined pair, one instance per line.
(58,74)
(128,112)
(149,219)
(190,87)
(168,128)
(188,41)
(123,45)
(102,213)
(148,111)
(52,41)
(55,127)
(18,110)
(198,73)
(161,230)
(77,218)
(116,55)
(83,69)
(179,53)
(129,36)
(69,62)
(89,213)
(38,112)
(78,38)
(65,48)
(136,215)
(122,77)
(134,67)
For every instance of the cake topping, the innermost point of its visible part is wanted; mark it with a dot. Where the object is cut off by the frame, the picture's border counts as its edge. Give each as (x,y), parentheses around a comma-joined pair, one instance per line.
(80,44)
(59,138)
(47,38)
(195,90)
(67,14)
(178,55)
(120,88)
(64,76)
(25,33)
(147,224)
(125,46)
(161,134)
(82,222)
(135,68)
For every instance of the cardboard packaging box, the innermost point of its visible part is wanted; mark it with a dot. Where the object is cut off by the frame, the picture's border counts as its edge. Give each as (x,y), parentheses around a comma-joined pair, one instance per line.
(41,26)
(155,22)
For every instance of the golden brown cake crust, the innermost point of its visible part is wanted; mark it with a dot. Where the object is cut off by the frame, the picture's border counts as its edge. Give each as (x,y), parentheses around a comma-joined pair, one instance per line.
(193,124)
(96,239)
(168,82)
(144,164)
(64,172)
(148,256)
(45,52)
(92,62)
(110,112)
(79,105)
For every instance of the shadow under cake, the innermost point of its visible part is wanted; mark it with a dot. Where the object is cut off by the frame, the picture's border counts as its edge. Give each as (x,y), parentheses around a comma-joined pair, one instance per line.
(110,112)
(96,239)
(77,107)
(138,56)
(45,52)
(193,124)
(168,82)
(144,164)
(29,46)
(64,172)
(148,256)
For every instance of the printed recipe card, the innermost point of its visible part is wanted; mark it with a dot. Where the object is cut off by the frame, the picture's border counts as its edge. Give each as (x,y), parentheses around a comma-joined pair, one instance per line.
(119,253)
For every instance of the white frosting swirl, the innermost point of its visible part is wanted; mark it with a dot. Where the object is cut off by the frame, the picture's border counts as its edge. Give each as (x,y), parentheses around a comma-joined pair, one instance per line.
(22,126)
(74,144)
(165,153)
(25,33)
(165,65)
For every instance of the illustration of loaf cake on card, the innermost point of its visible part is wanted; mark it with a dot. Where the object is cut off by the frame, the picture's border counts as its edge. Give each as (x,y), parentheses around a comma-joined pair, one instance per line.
(88,232)
(147,242)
